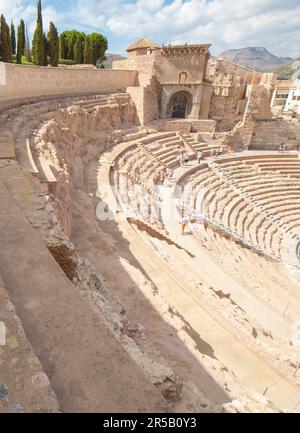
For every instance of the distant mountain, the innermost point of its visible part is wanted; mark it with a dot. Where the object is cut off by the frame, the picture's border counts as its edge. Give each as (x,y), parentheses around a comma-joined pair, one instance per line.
(286,71)
(110,58)
(258,58)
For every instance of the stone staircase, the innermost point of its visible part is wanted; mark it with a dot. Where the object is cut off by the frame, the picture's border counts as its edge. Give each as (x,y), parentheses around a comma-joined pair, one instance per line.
(69,349)
(78,353)
(24,386)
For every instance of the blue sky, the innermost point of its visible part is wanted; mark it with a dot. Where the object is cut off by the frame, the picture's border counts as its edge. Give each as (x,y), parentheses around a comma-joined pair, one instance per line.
(274,24)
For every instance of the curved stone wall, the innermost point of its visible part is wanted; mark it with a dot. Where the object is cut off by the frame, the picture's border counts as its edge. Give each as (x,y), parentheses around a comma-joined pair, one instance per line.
(19,82)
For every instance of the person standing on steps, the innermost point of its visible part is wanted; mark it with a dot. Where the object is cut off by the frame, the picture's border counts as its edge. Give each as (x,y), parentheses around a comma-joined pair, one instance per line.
(183,223)
(200,156)
(220,151)
(182,159)
(186,158)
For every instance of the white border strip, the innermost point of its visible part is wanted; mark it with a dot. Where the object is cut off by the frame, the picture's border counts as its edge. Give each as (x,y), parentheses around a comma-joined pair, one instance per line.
(2,74)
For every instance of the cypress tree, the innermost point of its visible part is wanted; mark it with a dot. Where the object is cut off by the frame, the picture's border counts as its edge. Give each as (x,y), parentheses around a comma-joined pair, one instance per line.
(9,46)
(46,50)
(27,51)
(39,12)
(78,50)
(13,38)
(88,52)
(72,47)
(21,41)
(53,45)
(63,48)
(39,46)
(4,41)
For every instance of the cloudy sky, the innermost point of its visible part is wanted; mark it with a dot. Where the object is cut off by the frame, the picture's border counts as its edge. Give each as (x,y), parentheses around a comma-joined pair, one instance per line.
(274,24)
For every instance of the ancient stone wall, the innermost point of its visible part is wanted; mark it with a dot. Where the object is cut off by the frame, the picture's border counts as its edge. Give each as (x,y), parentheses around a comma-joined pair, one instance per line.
(170,67)
(24,386)
(229,82)
(258,129)
(77,137)
(217,66)
(233,105)
(18,82)
(146,98)
(143,64)
(269,134)
(296,129)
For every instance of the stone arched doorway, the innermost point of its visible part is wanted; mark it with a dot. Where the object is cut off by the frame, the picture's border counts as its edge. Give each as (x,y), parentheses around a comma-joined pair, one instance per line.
(180,105)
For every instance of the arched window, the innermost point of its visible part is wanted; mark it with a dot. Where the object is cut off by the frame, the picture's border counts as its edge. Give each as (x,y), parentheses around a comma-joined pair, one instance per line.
(182,77)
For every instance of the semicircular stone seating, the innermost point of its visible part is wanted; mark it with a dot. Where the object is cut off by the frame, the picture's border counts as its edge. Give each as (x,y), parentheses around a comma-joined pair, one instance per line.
(256,199)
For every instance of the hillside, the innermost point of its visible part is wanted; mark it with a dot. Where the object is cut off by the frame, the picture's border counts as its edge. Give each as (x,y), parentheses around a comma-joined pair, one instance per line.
(110,58)
(286,71)
(258,58)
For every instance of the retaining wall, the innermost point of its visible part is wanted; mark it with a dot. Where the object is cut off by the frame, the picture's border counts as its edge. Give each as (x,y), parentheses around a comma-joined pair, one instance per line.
(19,82)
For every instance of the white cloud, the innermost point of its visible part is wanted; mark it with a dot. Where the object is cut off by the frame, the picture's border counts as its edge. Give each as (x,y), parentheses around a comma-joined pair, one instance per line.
(225,23)
(17,9)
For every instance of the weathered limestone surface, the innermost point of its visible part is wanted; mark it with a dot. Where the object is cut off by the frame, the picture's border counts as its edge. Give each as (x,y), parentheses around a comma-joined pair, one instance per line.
(269,134)
(97,323)
(87,368)
(24,386)
(25,82)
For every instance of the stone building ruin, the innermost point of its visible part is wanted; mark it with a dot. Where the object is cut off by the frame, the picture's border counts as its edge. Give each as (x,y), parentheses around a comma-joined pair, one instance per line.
(105,304)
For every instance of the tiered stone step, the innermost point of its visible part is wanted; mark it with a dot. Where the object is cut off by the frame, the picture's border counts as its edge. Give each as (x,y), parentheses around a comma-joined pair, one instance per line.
(25,387)
(242,209)
(7,145)
(166,148)
(74,347)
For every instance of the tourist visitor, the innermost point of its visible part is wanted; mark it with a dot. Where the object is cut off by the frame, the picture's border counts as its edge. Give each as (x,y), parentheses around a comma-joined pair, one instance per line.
(220,151)
(183,223)
(282,148)
(182,159)
(168,172)
(200,156)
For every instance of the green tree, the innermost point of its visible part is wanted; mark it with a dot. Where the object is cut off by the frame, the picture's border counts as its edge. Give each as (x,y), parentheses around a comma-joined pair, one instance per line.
(88,51)
(78,50)
(21,41)
(13,38)
(99,46)
(67,43)
(27,51)
(53,45)
(72,46)
(9,46)
(5,42)
(63,47)
(46,50)
(39,44)
(39,11)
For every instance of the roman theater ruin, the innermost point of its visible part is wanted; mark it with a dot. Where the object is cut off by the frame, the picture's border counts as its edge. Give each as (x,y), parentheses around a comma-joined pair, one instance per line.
(150,237)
